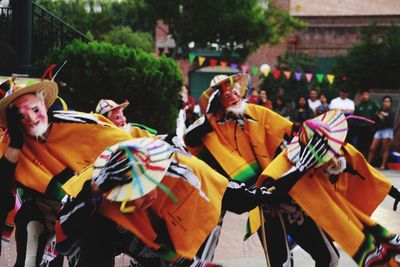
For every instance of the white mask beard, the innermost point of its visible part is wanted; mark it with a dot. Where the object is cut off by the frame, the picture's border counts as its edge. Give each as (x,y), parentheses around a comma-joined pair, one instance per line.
(39,131)
(126,127)
(237,111)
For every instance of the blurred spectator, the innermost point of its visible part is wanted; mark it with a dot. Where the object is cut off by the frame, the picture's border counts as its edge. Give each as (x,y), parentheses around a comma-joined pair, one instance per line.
(313,101)
(280,107)
(342,103)
(188,105)
(301,113)
(363,131)
(263,99)
(324,107)
(384,134)
(253,98)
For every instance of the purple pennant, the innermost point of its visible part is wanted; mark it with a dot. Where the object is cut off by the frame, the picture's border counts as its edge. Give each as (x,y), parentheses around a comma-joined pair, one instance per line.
(234,66)
(297,75)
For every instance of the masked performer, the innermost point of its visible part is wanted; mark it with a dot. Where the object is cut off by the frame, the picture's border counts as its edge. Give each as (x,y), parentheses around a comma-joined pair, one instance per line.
(239,140)
(115,113)
(339,193)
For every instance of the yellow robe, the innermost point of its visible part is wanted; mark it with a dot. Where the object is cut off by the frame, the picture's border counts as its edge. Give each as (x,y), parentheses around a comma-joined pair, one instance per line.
(257,143)
(70,145)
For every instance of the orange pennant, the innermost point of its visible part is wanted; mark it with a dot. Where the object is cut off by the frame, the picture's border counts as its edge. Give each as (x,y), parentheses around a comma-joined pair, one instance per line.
(287,74)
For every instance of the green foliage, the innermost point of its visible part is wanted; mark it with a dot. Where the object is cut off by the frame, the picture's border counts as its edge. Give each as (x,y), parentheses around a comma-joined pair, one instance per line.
(123,35)
(83,15)
(99,70)
(234,25)
(375,61)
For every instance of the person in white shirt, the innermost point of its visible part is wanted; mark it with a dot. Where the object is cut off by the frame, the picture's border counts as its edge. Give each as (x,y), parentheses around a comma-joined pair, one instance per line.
(313,101)
(342,103)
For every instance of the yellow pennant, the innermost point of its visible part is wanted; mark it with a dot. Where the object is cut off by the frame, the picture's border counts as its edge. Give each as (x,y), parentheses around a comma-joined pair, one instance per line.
(265,72)
(330,78)
(201,60)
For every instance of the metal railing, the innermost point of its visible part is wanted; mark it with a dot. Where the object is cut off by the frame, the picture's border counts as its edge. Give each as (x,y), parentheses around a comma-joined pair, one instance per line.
(50,31)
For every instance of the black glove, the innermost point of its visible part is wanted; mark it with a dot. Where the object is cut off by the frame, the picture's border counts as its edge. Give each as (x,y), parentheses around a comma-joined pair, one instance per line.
(315,148)
(113,173)
(394,193)
(213,102)
(14,127)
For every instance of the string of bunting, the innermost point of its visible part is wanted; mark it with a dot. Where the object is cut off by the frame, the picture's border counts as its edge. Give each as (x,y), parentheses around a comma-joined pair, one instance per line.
(265,70)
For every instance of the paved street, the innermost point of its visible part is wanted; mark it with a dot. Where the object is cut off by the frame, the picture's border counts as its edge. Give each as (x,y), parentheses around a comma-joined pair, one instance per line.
(233,252)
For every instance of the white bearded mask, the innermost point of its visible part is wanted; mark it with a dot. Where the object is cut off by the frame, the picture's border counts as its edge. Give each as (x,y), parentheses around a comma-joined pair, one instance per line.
(34,114)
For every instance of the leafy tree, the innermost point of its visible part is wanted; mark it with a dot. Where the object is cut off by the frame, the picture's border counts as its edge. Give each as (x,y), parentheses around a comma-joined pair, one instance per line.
(123,35)
(375,61)
(233,25)
(99,70)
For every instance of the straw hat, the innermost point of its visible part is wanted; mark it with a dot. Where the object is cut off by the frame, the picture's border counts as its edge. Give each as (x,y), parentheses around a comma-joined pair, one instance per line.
(332,124)
(106,105)
(217,81)
(50,93)
(149,159)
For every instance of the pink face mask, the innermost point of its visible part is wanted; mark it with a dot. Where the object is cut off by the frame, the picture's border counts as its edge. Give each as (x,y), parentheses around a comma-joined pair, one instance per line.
(34,114)
(230,95)
(117,117)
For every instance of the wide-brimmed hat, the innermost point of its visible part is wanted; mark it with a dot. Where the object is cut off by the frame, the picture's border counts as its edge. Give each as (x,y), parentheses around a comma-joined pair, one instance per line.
(241,79)
(149,159)
(106,105)
(331,124)
(49,88)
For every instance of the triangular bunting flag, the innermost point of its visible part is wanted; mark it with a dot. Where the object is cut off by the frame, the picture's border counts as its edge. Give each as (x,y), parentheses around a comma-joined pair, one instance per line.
(245,68)
(330,78)
(309,77)
(276,74)
(191,58)
(254,69)
(287,74)
(213,62)
(201,60)
(298,75)
(223,63)
(320,77)
(265,72)
(234,66)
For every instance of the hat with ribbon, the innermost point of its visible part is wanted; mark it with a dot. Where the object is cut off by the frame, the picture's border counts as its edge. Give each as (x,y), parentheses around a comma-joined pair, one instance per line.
(49,88)
(240,80)
(331,124)
(106,105)
(149,161)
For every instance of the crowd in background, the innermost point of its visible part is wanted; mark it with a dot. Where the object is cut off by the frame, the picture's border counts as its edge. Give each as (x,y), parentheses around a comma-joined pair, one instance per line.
(369,136)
